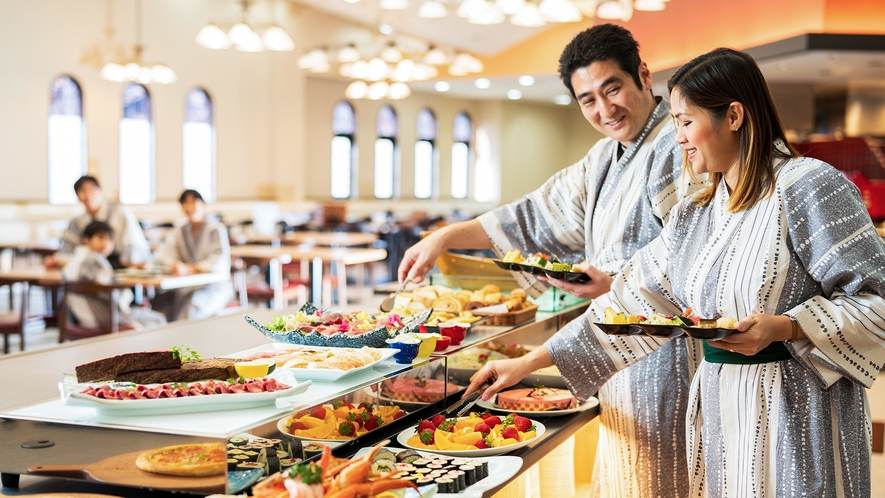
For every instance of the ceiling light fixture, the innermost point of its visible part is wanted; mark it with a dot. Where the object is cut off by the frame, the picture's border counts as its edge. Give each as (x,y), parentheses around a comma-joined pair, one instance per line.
(563,99)
(391,53)
(615,9)
(132,68)
(485,14)
(432,9)
(385,29)
(482,83)
(514,94)
(560,11)
(394,4)
(649,5)
(436,56)
(244,37)
(276,39)
(349,54)
(526,80)
(509,7)
(211,36)
(442,86)
(528,16)
(356,90)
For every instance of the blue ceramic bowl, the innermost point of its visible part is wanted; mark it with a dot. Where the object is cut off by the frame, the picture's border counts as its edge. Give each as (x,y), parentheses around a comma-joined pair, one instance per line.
(407,352)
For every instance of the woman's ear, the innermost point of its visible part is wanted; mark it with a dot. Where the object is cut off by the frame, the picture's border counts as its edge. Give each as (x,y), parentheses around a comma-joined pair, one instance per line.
(735,116)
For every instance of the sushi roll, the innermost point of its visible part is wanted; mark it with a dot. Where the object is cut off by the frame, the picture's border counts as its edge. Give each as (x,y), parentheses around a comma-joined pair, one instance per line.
(270,451)
(484,466)
(275,442)
(386,454)
(424,481)
(382,466)
(408,456)
(285,463)
(459,477)
(404,467)
(312,450)
(434,466)
(421,462)
(469,473)
(234,452)
(251,456)
(249,466)
(410,478)
(238,440)
(282,454)
(273,465)
(240,458)
(445,485)
(232,464)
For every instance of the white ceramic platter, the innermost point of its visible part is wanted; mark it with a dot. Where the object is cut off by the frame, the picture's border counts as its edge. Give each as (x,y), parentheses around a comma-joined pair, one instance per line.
(317,374)
(492,404)
(403,437)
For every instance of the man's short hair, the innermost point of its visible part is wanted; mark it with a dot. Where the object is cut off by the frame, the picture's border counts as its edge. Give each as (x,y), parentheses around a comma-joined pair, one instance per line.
(600,43)
(97,228)
(82,181)
(192,194)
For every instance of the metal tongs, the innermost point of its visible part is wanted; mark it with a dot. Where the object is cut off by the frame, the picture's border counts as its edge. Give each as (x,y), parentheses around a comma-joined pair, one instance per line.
(388,303)
(464,405)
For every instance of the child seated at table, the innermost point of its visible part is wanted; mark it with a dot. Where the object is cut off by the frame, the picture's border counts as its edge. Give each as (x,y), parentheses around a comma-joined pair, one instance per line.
(90,264)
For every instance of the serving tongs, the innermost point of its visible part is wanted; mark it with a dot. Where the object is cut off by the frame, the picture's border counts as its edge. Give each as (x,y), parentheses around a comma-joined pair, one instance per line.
(463,405)
(388,302)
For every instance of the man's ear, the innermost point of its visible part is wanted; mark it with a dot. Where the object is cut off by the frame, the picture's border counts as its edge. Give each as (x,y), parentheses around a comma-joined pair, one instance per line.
(645,76)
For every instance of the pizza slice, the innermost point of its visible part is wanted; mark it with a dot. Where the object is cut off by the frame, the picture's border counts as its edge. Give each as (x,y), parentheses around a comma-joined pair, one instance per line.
(186,460)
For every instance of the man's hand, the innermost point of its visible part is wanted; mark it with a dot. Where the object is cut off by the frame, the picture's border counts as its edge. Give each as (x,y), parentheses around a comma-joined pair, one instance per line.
(600,283)
(756,332)
(180,268)
(420,258)
(51,263)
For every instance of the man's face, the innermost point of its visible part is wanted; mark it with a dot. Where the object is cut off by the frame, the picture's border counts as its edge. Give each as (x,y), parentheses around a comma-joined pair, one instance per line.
(611,101)
(90,196)
(194,209)
(101,243)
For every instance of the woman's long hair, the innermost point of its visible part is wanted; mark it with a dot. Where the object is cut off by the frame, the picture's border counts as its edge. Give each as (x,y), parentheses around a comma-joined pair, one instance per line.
(713,81)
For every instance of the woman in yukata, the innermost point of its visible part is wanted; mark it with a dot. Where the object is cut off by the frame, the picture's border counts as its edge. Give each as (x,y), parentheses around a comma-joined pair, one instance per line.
(784,245)
(200,246)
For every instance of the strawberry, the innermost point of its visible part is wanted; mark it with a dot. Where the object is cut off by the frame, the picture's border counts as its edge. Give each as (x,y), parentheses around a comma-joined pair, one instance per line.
(297,426)
(508,420)
(482,427)
(338,403)
(438,420)
(399,414)
(318,411)
(493,421)
(486,414)
(482,444)
(448,425)
(426,437)
(302,413)
(522,423)
(366,406)
(426,425)
(352,417)
(373,423)
(347,429)
(510,433)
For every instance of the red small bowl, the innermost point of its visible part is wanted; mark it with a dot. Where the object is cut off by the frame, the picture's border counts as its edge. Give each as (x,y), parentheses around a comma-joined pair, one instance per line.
(456,331)
(443,343)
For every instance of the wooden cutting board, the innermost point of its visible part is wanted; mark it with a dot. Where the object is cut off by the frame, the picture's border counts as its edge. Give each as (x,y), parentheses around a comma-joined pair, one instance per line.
(121,470)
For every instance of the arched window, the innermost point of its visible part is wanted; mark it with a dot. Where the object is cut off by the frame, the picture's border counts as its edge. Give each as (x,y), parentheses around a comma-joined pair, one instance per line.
(344,129)
(425,173)
(136,147)
(385,149)
(198,144)
(462,133)
(66,137)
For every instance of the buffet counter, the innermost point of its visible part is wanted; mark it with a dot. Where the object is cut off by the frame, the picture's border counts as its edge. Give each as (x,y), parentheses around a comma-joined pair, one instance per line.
(35,433)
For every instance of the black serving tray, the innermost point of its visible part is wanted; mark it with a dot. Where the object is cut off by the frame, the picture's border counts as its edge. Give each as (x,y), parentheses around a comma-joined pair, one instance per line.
(569,276)
(707,334)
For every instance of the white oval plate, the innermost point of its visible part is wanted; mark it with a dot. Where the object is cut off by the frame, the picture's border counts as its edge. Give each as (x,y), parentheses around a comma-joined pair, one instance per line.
(492,404)
(331,443)
(403,438)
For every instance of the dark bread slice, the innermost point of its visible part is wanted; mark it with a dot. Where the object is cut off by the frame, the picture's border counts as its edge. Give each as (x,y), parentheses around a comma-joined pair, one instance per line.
(111,368)
(190,371)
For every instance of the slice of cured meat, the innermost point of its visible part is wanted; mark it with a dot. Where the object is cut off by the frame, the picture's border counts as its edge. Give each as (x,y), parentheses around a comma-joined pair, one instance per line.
(419,390)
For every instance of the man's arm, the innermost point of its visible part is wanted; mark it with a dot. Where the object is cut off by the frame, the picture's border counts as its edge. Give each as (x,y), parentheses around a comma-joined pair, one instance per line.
(419,259)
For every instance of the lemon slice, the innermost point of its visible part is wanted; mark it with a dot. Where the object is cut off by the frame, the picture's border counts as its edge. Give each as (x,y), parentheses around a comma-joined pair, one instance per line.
(255,369)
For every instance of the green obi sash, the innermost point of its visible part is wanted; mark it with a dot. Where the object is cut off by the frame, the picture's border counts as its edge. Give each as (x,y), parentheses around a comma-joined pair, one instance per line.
(776,351)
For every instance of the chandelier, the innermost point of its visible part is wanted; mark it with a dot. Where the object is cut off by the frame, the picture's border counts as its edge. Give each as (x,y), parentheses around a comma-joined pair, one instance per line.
(529,13)
(385,73)
(131,68)
(244,37)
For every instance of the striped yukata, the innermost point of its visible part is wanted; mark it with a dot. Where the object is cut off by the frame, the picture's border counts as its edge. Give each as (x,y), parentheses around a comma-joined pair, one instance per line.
(795,427)
(94,311)
(209,251)
(604,209)
(129,242)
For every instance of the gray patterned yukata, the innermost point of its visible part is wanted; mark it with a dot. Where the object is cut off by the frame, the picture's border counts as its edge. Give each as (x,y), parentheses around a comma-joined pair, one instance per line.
(210,252)
(603,209)
(796,427)
(129,241)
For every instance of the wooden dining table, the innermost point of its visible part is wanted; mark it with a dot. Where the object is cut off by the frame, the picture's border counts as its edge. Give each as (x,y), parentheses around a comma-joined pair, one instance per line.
(310,256)
(327,239)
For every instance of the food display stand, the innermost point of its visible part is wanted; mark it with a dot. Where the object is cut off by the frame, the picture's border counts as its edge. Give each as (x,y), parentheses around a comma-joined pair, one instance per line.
(95,451)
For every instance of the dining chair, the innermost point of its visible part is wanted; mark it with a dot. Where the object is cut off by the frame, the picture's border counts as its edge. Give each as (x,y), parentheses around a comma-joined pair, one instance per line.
(67,329)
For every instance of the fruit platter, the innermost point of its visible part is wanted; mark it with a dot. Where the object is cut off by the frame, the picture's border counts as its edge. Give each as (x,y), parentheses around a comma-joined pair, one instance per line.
(331,424)
(542,264)
(619,323)
(479,434)
(312,326)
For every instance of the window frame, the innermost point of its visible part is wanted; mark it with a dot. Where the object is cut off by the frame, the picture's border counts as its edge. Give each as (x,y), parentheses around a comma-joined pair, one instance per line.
(428,136)
(465,140)
(210,194)
(151,148)
(66,188)
(350,135)
(382,136)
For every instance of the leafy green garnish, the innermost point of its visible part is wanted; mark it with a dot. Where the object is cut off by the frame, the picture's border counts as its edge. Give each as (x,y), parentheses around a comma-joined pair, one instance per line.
(278,324)
(184,353)
(310,473)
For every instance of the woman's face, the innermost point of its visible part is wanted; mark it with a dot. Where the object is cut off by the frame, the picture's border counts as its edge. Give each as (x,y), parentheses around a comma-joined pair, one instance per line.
(711,146)
(194,209)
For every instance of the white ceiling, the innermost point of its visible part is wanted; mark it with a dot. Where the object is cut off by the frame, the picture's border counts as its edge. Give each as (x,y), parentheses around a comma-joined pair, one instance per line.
(545,89)
(450,31)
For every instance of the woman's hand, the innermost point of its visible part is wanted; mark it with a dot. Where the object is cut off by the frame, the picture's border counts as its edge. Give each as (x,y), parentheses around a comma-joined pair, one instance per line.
(500,373)
(600,283)
(419,259)
(756,332)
